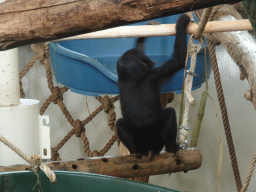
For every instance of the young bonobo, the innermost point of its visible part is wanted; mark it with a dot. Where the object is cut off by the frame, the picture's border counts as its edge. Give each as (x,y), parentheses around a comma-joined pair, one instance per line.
(146,126)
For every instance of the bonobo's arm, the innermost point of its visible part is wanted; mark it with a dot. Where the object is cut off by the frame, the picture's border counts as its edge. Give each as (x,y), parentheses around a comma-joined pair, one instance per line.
(141,40)
(140,44)
(178,59)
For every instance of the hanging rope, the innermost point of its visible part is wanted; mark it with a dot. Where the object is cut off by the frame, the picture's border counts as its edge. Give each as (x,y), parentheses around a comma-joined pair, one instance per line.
(249,174)
(201,109)
(223,10)
(224,115)
(34,160)
(193,49)
(203,22)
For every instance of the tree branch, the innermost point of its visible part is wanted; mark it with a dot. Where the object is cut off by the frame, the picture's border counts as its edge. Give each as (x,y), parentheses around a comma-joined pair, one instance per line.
(24,22)
(127,166)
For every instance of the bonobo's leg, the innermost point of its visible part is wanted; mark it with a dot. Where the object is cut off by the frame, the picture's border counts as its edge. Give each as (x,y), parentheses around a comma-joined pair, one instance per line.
(169,132)
(124,135)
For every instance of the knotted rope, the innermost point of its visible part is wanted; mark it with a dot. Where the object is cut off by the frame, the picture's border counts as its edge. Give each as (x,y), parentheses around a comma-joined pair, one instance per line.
(193,50)
(34,160)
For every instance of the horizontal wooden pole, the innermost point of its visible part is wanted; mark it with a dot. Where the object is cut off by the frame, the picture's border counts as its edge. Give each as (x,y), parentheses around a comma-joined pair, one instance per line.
(25,22)
(127,166)
(163,30)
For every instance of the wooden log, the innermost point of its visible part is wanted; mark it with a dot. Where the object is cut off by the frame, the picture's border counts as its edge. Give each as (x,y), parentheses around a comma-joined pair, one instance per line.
(24,22)
(127,166)
(242,48)
(163,30)
(124,151)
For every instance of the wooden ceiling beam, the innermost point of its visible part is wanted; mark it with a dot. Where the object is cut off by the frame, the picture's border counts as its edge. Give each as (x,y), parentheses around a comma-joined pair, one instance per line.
(24,22)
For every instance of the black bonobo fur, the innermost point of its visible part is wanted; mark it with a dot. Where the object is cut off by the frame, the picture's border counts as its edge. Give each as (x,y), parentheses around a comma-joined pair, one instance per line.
(146,127)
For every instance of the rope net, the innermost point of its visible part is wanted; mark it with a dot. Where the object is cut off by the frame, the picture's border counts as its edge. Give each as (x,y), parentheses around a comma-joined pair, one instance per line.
(56,97)
(106,103)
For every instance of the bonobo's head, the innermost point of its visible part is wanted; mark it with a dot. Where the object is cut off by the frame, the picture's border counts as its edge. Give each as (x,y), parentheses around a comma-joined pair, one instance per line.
(133,65)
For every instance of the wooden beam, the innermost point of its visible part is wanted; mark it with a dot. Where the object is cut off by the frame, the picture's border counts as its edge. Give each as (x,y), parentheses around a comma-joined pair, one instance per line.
(24,22)
(163,30)
(242,48)
(127,166)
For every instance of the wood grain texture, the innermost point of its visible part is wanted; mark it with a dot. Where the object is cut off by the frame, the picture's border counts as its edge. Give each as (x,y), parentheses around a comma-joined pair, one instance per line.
(24,22)
(127,166)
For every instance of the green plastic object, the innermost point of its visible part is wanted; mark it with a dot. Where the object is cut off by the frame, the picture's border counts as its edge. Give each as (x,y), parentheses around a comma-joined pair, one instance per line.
(23,181)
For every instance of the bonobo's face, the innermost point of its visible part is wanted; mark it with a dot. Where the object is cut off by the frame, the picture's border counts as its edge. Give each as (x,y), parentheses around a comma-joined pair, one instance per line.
(133,65)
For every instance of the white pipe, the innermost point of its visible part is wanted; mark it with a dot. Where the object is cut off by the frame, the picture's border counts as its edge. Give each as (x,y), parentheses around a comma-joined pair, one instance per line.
(19,118)
(162,30)
(20,125)
(9,78)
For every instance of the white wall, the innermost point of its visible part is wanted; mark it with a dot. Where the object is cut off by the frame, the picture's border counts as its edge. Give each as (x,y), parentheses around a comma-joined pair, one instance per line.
(241,116)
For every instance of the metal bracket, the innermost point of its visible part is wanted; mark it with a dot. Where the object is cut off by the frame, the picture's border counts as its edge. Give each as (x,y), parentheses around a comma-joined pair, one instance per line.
(191,73)
(44,137)
(186,128)
(184,146)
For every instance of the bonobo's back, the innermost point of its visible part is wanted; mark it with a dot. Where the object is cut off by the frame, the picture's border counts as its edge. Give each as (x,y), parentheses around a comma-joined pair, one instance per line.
(146,126)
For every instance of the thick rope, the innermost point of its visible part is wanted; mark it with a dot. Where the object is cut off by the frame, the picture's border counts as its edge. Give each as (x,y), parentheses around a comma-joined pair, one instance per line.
(64,140)
(249,174)
(82,130)
(193,50)
(93,114)
(203,22)
(73,131)
(66,112)
(86,144)
(34,160)
(108,145)
(220,10)
(46,60)
(58,94)
(107,104)
(109,109)
(224,115)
